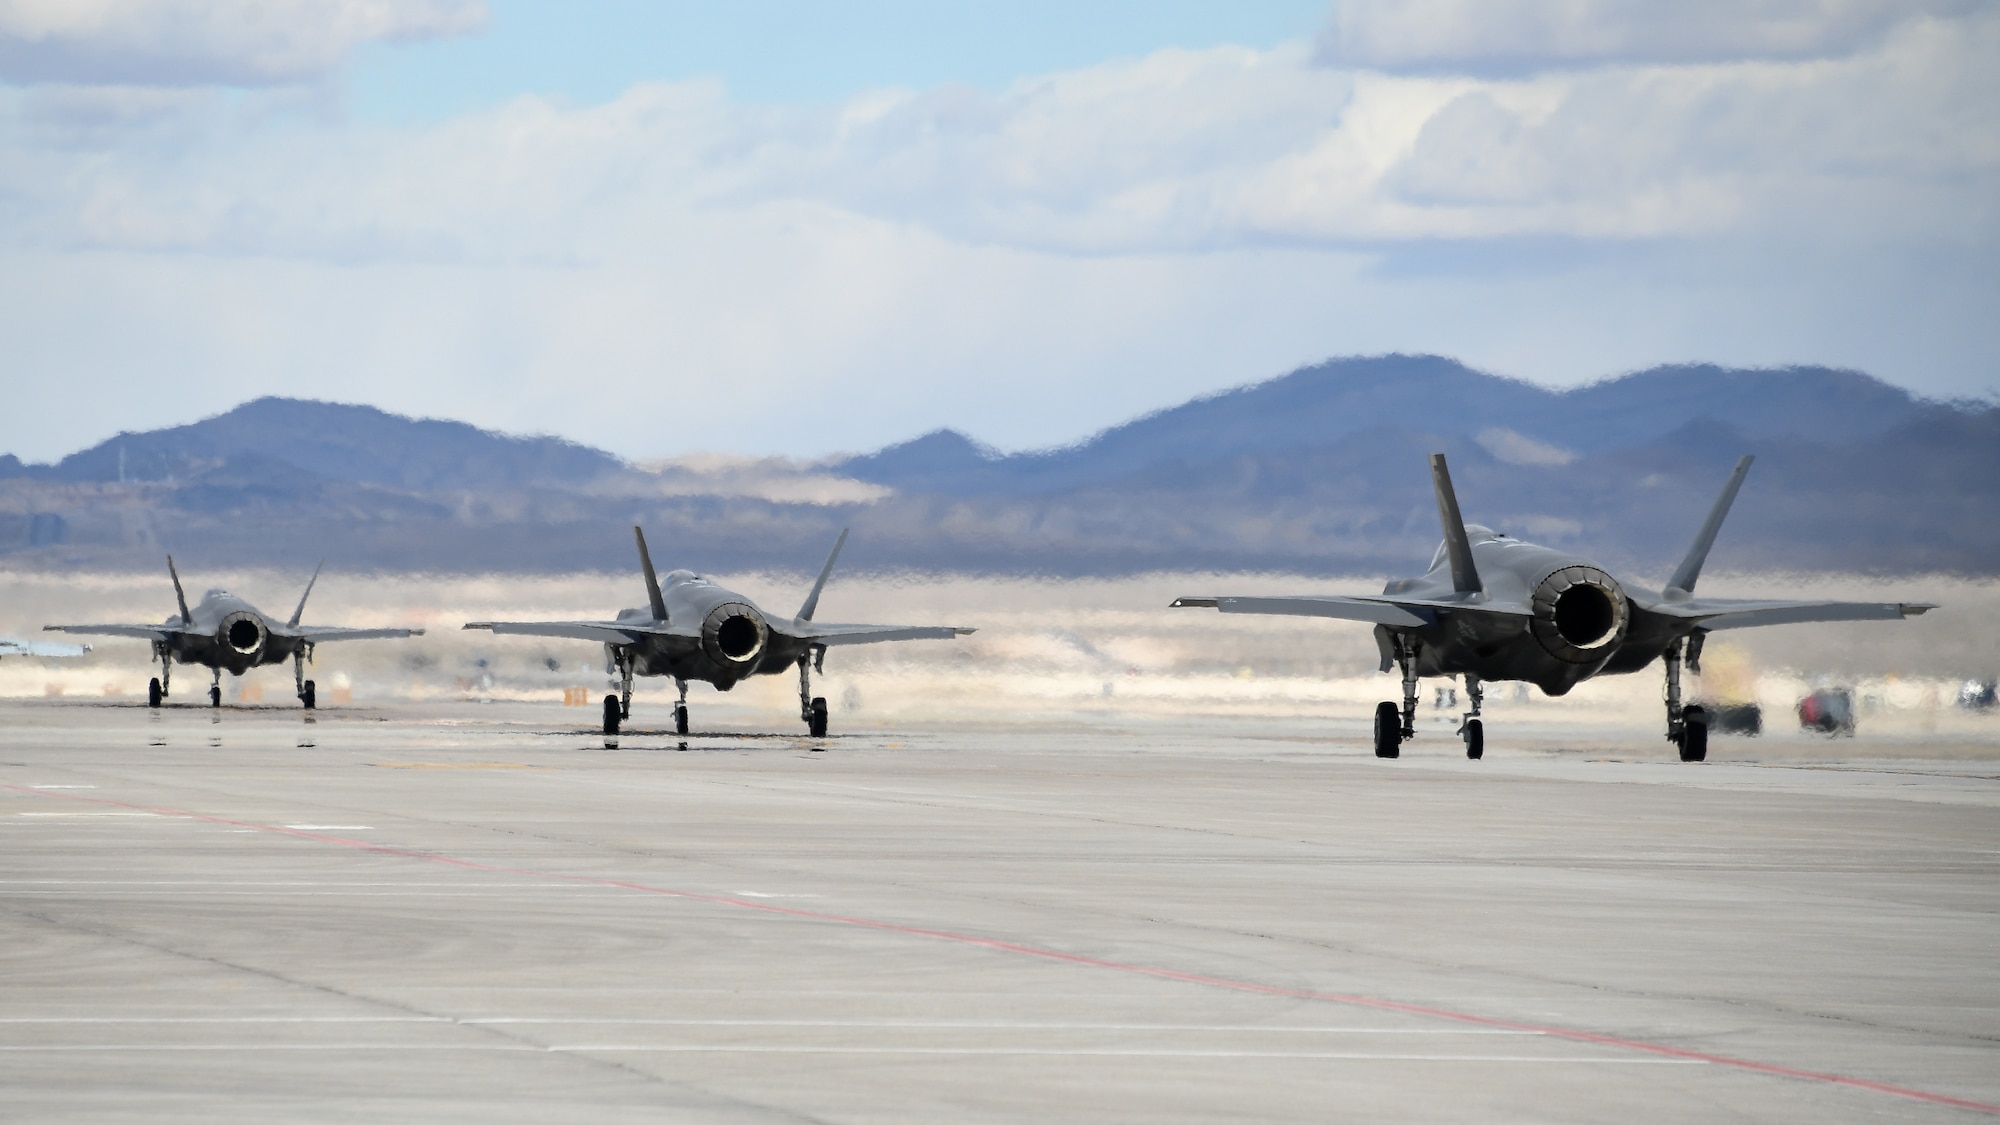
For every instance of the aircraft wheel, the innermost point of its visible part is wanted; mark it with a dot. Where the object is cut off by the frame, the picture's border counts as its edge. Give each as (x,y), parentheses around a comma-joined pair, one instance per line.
(1388,730)
(153,693)
(1694,734)
(215,696)
(680,719)
(612,715)
(817,724)
(309,695)
(1475,739)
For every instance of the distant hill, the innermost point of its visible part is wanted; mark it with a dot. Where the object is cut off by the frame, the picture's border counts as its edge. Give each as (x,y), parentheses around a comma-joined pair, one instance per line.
(333,442)
(1319,471)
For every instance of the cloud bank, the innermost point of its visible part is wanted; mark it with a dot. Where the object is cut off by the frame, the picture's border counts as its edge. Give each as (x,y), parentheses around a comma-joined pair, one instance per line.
(676,270)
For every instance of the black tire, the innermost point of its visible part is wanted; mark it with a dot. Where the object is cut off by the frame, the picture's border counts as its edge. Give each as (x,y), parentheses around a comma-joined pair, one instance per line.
(1694,735)
(153,693)
(309,695)
(1388,730)
(680,719)
(215,696)
(1475,739)
(612,715)
(817,723)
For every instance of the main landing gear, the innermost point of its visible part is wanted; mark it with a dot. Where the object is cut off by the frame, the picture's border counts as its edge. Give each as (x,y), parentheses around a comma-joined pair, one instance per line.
(156,690)
(618,708)
(1473,732)
(308,691)
(1395,726)
(215,689)
(681,707)
(1687,727)
(812,708)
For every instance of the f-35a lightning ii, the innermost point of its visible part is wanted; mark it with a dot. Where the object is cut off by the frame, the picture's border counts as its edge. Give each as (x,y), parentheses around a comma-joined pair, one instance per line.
(224,633)
(1494,608)
(694,629)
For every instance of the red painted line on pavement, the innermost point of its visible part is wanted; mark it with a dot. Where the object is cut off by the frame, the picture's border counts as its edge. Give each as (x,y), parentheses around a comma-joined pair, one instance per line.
(999,945)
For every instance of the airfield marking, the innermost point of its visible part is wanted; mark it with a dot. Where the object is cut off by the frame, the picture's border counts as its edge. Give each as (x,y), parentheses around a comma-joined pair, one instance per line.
(1155,972)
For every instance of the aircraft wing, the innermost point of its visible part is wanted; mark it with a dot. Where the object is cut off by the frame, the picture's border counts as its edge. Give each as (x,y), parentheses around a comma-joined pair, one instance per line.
(831,635)
(1733,613)
(317,633)
(143,632)
(1384,610)
(12,647)
(607,632)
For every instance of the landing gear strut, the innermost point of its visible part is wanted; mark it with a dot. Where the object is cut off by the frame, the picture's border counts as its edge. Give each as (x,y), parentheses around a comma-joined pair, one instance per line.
(308,691)
(812,708)
(681,708)
(1392,728)
(215,690)
(618,708)
(1687,727)
(157,689)
(1472,731)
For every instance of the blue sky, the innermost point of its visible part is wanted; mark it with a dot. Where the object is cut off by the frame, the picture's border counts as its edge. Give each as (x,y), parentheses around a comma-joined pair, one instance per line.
(591,51)
(806,228)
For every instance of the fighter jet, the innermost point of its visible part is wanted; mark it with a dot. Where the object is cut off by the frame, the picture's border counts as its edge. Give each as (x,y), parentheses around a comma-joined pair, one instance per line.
(1492,607)
(226,633)
(694,629)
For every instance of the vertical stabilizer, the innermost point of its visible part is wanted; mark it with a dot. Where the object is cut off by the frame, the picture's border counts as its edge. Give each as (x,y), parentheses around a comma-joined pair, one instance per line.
(659,603)
(812,599)
(300,612)
(1682,583)
(179,595)
(1464,576)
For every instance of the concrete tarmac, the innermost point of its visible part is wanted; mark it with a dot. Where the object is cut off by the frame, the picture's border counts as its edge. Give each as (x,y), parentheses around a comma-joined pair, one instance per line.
(489,914)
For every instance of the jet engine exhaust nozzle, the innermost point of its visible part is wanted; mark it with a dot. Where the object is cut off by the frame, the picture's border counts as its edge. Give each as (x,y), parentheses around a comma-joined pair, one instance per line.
(1581,614)
(242,632)
(733,635)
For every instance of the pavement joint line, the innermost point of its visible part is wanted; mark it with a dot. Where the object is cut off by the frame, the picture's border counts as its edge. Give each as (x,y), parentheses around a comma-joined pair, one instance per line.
(1574,1035)
(735,1049)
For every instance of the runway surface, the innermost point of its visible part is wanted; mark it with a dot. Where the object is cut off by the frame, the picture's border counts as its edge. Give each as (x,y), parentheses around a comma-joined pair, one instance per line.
(493,915)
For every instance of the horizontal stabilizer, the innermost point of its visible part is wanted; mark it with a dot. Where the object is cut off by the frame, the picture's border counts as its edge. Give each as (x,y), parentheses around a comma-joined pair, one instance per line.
(1349,609)
(143,632)
(834,635)
(1729,614)
(606,632)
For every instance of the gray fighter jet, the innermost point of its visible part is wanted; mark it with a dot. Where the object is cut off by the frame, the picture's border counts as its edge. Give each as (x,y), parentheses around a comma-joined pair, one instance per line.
(226,633)
(1494,608)
(694,629)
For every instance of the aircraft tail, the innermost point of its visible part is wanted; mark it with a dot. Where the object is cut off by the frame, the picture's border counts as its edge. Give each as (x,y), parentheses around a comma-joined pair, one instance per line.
(300,612)
(1464,575)
(812,599)
(179,595)
(653,595)
(1682,583)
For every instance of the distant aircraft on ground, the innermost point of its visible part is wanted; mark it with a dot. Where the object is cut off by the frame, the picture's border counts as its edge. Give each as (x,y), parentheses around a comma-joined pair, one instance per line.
(1494,608)
(226,633)
(694,629)
(11,647)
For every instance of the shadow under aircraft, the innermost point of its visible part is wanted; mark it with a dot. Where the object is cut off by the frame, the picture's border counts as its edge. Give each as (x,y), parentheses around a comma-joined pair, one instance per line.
(224,633)
(1492,607)
(693,629)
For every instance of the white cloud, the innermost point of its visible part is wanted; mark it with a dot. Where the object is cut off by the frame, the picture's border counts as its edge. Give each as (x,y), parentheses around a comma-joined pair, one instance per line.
(1512,37)
(200,42)
(675,271)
